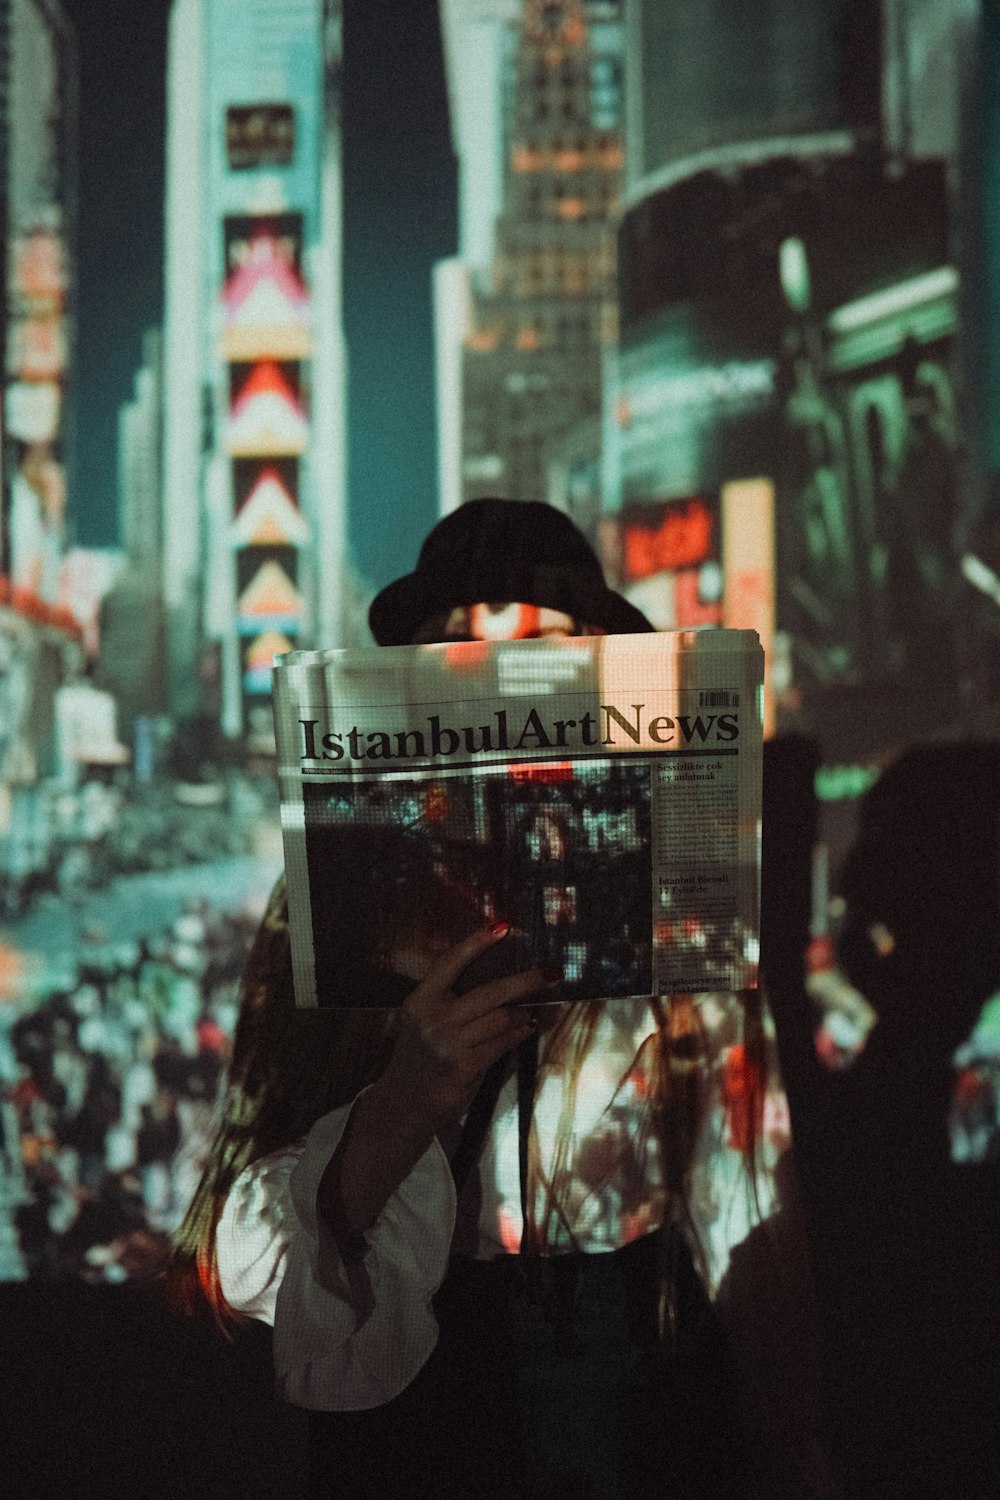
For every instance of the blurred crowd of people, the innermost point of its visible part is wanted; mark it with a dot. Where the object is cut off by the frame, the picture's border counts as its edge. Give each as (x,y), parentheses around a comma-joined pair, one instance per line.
(108,1092)
(84,839)
(109,1087)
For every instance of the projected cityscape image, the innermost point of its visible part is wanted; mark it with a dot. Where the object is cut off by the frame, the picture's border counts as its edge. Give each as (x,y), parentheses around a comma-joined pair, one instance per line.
(720,283)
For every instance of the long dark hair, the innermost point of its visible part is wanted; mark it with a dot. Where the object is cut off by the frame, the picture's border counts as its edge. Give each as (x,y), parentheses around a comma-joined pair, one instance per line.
(675,1064)
(291,1066)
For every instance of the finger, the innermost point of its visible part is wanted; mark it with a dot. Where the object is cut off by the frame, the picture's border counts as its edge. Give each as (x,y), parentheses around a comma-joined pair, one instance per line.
(494,1025)
(445,971)
(513,989)
(487,1053)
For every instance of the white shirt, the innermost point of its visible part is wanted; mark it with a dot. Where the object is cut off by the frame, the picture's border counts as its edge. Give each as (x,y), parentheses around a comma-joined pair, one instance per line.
(353,1337)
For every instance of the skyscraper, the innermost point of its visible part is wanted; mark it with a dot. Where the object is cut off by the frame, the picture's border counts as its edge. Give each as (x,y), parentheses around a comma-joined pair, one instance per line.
(140,468)
(38,145)
(253,357)
(541,167)
(38,634)
(131,661)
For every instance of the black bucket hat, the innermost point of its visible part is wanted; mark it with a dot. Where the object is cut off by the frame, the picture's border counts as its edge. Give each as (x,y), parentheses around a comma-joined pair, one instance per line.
(498,552)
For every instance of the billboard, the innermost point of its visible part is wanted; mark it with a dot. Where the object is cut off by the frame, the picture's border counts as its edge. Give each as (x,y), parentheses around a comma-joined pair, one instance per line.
(259,135)
(814,354)
(34,409)
(706,77)
(265,344)
(669,560)
(265,113)
(265,304)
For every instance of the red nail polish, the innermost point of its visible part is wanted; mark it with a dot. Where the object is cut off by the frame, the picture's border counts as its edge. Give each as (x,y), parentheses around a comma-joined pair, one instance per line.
(500,929)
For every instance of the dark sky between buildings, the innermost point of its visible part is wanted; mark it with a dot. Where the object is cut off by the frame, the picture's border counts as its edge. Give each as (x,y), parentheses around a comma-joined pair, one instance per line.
(400,216)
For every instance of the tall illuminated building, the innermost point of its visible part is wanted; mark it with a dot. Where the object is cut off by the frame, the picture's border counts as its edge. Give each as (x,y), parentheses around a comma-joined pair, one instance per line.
(38,184)
(524,316)
(476,37)
(131,662)
(140,467)
(253,489)
(781,430)
(38,102)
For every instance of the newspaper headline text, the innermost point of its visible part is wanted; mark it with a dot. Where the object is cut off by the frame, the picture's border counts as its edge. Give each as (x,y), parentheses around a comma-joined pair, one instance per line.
(608,727)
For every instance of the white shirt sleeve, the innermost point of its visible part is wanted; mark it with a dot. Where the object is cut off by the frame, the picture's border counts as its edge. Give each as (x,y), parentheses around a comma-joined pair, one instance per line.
(347,1337)
(251,1240)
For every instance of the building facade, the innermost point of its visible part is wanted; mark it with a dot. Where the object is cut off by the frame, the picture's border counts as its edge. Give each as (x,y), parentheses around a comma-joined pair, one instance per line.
(140,468)
(781,432)
(38,105)
(253,457)
(533,298)
(40,645)
(130,621)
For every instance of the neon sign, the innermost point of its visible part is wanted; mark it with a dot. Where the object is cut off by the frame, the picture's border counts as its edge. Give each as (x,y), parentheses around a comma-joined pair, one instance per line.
(683,538)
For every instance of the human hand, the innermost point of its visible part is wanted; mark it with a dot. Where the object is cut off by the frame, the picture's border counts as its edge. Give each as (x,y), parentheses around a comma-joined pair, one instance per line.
(446,1042)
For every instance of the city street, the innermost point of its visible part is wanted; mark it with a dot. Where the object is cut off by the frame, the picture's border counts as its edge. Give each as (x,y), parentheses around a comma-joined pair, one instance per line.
(701,305)
(42,955)
(137,906)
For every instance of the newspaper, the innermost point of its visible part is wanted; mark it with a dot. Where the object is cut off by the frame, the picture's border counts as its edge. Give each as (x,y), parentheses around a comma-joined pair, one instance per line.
(600,794)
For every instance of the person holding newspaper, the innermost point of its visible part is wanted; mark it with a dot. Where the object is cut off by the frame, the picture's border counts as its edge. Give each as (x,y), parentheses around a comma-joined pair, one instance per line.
(489,1229)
